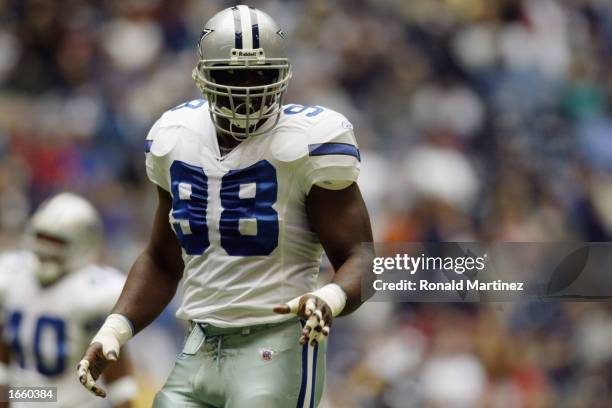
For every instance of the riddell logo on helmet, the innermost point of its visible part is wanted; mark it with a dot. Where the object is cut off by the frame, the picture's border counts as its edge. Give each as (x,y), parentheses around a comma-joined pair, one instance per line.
(259,53)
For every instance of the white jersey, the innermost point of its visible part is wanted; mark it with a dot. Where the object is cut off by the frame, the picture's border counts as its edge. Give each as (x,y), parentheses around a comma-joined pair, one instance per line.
(48,329)
(241,218)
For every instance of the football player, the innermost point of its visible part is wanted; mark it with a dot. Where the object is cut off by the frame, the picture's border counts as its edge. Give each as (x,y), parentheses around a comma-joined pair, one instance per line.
(53,298)
(250,192)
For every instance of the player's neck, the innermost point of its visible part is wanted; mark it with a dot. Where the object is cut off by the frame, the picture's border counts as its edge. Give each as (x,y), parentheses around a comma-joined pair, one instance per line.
(226,143)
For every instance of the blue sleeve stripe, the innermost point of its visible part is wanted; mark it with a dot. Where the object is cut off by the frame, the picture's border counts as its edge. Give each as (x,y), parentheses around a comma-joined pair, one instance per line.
(323,149)
(148,144)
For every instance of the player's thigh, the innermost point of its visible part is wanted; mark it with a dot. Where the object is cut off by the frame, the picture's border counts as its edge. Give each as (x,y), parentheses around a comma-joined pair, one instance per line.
(178,391)
(172,398)
(273,370)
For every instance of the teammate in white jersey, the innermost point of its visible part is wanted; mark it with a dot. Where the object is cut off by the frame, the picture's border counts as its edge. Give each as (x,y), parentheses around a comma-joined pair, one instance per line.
(250,193)
(52,299)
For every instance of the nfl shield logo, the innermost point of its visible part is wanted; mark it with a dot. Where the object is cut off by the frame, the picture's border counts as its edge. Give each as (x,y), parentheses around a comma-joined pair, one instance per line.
(266,355)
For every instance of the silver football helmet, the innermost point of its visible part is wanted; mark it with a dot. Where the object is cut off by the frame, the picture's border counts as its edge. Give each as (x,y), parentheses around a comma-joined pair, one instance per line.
(65,233)
(243,71)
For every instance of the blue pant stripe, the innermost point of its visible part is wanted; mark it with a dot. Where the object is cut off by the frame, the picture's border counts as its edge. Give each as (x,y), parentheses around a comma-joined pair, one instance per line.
(314,376)
(300,402)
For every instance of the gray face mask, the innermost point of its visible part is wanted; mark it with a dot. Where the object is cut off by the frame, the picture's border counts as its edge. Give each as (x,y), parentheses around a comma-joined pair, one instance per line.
(240,120)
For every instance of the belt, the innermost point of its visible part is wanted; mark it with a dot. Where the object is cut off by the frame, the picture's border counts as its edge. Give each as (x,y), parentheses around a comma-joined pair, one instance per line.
(206,331)
(210,330)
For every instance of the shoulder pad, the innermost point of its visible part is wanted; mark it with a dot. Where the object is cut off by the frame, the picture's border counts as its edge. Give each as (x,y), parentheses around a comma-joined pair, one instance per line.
(107,276)
(15,259)
(186,118)
(302,126)
(162,139)
(12,263)
(102,286)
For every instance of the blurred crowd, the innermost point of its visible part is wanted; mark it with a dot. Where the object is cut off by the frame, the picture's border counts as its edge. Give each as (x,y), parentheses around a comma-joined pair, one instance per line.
(477,120)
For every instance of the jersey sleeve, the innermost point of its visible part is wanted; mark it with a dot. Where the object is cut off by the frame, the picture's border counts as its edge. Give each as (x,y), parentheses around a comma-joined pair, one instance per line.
(159,142)
(333,158)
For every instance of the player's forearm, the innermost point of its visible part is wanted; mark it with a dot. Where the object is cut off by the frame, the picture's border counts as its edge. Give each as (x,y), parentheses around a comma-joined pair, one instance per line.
(149,287)
(351,277)
(349,256)
(341,221)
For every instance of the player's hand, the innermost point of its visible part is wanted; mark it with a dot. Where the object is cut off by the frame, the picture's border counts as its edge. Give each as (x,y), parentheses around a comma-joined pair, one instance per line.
(315,312)
(92,365)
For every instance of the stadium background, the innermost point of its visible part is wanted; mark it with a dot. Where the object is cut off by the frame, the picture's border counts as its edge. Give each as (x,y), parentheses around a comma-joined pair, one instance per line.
(477,119)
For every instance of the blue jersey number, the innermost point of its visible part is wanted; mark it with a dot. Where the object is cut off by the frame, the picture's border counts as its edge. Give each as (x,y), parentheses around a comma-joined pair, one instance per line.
(257,184)
(12,333)
(313,110)
(248,224)
(195,104)
(45,324)
(189,198)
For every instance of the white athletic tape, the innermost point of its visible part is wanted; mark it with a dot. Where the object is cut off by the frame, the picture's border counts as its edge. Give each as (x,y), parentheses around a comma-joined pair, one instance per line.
(113,334)
(294,304)
(84,372)
(334,296)
(310,307)
(311,323)
(83,367)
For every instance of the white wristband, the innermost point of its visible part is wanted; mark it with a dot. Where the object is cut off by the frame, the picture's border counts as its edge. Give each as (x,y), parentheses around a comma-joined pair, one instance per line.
(114,333)
(333,295)
(122,390)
